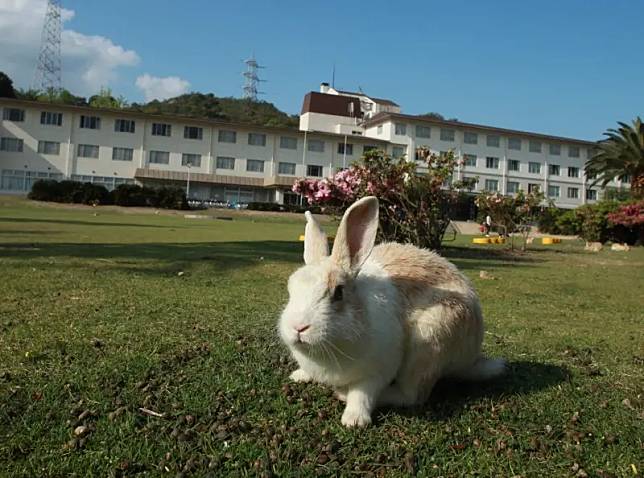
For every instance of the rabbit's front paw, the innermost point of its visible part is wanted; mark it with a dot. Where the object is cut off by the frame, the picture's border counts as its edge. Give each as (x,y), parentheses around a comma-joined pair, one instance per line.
(300,376)
(356,417)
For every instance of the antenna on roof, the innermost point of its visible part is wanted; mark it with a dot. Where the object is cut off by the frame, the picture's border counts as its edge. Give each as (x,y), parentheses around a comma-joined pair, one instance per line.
(360,89)
(333,78)
(48,69)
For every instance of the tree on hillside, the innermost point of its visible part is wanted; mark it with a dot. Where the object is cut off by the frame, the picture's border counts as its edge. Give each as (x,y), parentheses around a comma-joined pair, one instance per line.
(6,86)
(104,99)
(52,96)
(621,154)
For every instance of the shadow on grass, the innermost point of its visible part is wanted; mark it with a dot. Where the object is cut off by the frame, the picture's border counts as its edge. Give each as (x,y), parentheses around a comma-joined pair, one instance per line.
(221,254)
(89,222)
(224,255)
(450,397)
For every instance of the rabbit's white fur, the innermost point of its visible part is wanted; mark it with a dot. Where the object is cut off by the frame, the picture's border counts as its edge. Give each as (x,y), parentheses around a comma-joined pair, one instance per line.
(404,318)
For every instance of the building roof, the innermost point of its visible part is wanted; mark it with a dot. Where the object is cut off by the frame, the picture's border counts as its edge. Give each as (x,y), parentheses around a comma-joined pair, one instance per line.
(337,105)
(384,116)
(381,101)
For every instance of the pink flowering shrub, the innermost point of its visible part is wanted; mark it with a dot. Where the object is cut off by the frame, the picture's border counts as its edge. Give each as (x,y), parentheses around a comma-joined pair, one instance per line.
(628,215)
(414,204)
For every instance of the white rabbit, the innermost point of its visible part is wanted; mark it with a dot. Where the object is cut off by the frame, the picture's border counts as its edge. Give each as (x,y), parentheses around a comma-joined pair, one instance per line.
(380,324)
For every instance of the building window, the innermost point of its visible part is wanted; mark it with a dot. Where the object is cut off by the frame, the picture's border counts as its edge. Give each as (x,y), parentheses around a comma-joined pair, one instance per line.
(369,147)
(534,146)
(398,151)
(573,172)
(314,170)
(491,162)
(573,193)
(514,143)
(513,165)
(315,145)
(513,187)
(553,169)
(493,140)
(447,134)
(286,168)
(533,188)
(49,147)
(470,138)
(51,118)
(224,162)
(255,165)
(13,114)
(227,136)
(191,159)
(491,185)
(257,139)
(87,151)
(192,132)
(159,157)
(288,142)
(553,191)
(90,122)
(469,160)
(348,149)
(423,131)
(401,129)
(12,145)
(555,149)
(124,126)
(591,194)
(590,153)
(379,129)
(122,154)
(161,129)
(592,175)
(534,168)
(573,151)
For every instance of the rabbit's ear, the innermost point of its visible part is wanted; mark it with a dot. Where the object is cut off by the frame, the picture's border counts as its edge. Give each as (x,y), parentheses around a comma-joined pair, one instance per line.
(356,235)
(316,246)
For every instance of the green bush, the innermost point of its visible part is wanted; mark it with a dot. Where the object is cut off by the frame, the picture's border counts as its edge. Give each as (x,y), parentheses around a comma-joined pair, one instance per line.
(129,195)
(166,197)
(266,206)
(45,190)
(69,192)
(594,221)
(547,220)
(569,223)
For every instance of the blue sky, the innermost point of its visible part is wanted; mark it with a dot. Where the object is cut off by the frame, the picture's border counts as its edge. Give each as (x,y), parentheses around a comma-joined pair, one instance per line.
(570,68)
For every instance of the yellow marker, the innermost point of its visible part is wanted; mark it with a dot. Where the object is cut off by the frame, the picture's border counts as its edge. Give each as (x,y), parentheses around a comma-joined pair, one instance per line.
(330,239)
(481,240)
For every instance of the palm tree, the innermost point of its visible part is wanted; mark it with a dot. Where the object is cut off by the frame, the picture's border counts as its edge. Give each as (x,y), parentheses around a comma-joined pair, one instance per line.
(620,155)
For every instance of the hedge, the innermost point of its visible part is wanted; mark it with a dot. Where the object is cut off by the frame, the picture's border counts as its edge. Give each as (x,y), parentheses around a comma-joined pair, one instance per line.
(128,195)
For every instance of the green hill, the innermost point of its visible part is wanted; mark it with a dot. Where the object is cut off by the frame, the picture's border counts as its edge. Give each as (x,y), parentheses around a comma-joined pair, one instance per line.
(199,105)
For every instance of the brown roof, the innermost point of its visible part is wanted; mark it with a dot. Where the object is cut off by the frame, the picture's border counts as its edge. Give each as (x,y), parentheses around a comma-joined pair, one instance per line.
(381,101)
(378,118)
(337,105)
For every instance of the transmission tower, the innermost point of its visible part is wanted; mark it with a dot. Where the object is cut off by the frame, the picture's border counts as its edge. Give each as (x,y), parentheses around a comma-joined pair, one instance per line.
(48,71)
(252,80)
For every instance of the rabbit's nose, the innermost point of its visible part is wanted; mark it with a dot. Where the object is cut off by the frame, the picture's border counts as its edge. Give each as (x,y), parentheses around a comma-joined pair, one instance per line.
(301,328)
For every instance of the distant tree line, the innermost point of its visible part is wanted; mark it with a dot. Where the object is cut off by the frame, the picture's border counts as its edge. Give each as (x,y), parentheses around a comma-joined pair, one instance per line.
(194,105)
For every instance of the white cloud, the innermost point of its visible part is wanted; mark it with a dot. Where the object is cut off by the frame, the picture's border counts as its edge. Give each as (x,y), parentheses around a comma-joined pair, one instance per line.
(88,61)
(157,88)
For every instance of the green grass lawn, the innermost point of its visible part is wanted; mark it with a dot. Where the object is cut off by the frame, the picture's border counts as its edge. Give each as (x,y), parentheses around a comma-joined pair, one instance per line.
(103,313)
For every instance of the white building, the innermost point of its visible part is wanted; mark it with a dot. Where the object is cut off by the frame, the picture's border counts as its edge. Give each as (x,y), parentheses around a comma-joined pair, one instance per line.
(244,162)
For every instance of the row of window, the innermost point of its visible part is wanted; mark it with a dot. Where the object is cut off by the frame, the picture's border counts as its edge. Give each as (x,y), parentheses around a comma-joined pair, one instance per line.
(553,190)
(491,140)
(491,162)
(189,132)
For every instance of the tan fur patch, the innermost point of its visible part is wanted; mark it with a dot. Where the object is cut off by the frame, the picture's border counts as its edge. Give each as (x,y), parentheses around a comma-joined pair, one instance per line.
(416,272)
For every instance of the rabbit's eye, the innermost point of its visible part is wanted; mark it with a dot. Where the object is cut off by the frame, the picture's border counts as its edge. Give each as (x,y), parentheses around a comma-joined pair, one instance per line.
(338,293)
